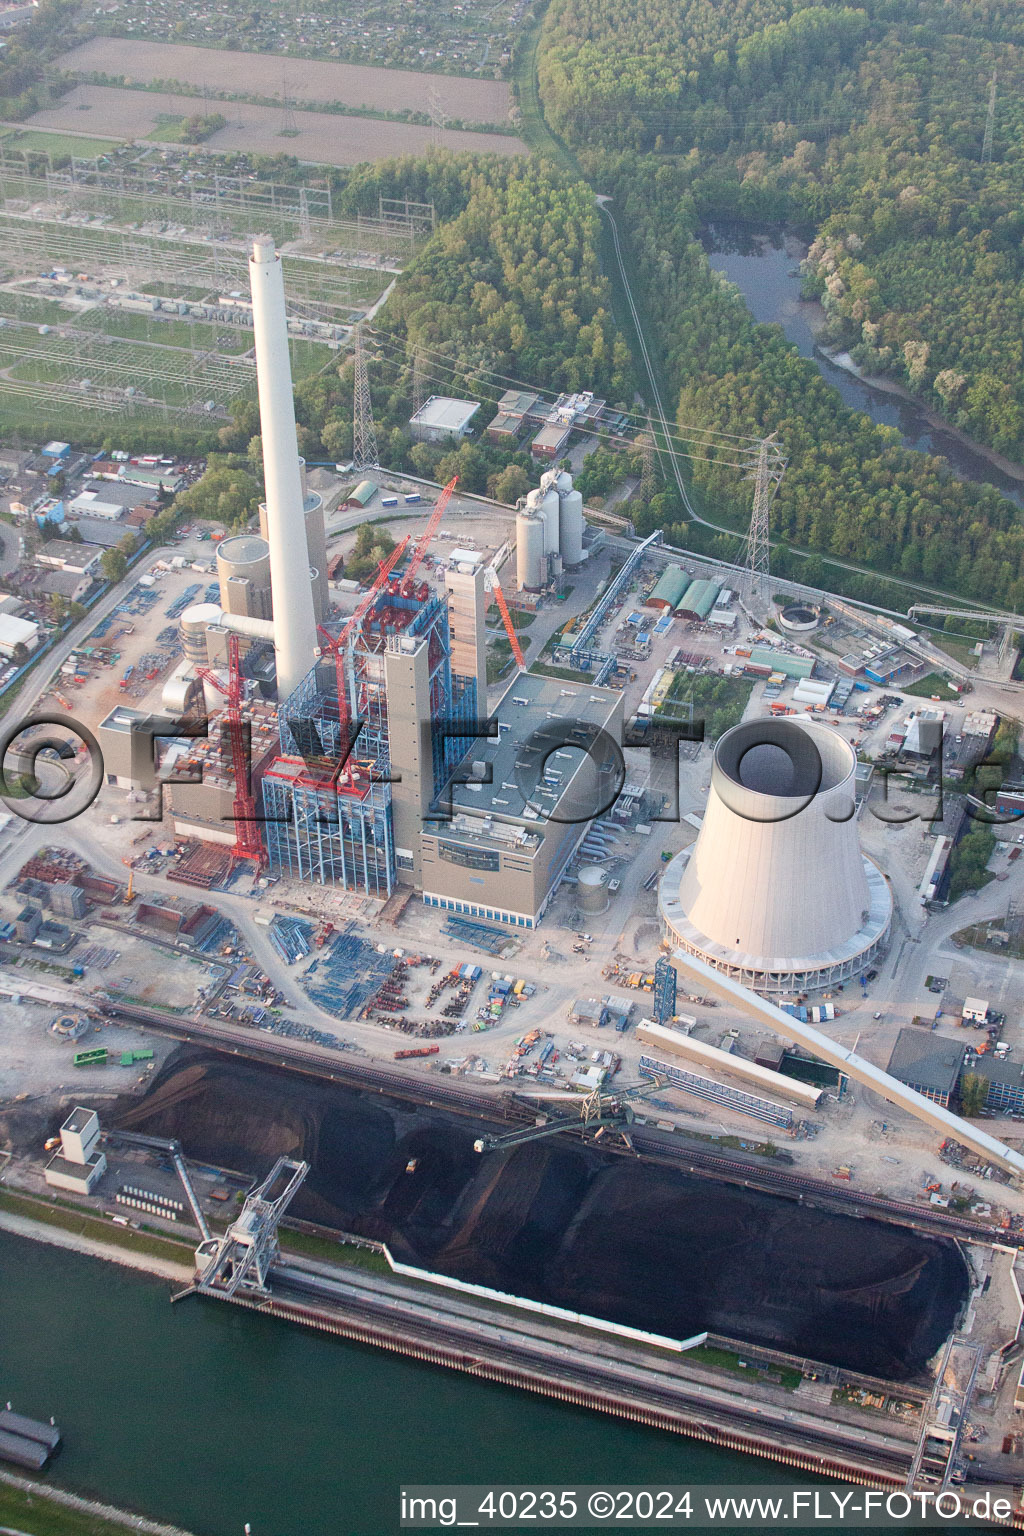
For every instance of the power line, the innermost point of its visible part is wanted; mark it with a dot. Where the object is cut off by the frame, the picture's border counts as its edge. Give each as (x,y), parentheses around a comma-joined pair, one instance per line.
(488,380)
(986,148)
(364,435)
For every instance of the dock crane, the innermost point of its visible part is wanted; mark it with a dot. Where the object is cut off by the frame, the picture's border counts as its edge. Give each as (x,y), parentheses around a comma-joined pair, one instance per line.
(494,585)
(248,842)
(336,648)
(598,1111)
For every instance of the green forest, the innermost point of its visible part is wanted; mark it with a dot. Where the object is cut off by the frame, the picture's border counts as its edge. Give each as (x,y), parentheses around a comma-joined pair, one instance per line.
(866,125)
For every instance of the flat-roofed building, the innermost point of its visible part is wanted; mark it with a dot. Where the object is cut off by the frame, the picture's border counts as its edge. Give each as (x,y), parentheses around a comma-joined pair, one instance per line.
(442,419)
(521,811)
(551,441)
(69,555)
(15,632)
(927,1062)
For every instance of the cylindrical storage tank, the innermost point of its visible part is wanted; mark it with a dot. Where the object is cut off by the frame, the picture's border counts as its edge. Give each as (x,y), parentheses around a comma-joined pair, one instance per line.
(531,566)
(192,627)
(549,512)
(316,548)
(243,573)
(563,482)
(570,525)
(591,891)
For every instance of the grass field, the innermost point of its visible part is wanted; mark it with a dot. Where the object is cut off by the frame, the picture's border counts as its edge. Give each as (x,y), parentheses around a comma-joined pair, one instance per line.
(930,684)
(34,1514)
(321,138)
(35,140)
(84,1225)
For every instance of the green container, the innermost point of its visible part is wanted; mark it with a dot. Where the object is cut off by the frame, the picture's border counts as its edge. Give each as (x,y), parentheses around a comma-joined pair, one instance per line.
(96,1058)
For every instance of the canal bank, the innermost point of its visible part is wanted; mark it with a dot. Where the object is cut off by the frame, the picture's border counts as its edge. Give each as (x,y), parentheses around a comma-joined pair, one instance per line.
(208,1416)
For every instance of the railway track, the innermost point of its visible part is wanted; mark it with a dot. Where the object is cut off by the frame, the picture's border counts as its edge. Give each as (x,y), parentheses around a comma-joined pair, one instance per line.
(272,1050)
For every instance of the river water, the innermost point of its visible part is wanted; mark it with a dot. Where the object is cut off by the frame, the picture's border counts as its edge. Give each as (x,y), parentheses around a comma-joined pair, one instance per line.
(209,1416)
(764,267)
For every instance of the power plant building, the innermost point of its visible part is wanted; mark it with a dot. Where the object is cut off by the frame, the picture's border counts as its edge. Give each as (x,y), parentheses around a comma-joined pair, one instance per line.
(509,839)
(776,892)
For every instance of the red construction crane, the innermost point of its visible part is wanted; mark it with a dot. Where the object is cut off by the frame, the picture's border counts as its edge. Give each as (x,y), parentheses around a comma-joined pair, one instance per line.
(248,842)
(336,647)
(433,524)
(506,618)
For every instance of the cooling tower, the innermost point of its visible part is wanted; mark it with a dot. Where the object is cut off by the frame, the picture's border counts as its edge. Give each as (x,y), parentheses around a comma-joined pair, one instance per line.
(776,891)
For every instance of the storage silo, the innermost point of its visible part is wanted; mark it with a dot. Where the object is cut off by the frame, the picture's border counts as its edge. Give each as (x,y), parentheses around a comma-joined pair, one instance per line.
(570,522)
(243,573)
(592,889)
(531,563)
(549,510)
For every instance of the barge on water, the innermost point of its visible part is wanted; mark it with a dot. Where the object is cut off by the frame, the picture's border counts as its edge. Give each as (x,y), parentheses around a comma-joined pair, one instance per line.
(27,1442)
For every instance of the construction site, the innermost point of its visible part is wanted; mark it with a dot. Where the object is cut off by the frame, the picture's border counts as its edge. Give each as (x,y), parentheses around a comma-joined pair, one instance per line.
(543,876)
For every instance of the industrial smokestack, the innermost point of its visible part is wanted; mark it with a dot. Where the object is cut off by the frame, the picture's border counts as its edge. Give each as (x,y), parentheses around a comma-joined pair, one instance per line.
(294,623)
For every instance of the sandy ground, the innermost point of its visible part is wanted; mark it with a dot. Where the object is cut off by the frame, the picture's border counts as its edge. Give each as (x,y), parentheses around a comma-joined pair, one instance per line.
(323,138)
(257,74)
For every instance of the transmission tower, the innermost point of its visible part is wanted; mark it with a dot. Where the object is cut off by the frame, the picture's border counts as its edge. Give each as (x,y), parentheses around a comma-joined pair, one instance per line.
(364,435)
(767,478)
(990,118)
(647,481)
(288,124)
(438,116)
(419,381)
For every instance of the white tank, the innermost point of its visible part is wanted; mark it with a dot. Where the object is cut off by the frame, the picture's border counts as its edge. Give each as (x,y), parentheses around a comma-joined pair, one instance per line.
(570,524)
(591,891)
(549,512)
(563,481)
(531,565)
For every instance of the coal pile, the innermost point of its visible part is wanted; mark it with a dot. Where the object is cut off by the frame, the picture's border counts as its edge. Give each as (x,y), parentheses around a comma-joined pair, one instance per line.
(578,1226)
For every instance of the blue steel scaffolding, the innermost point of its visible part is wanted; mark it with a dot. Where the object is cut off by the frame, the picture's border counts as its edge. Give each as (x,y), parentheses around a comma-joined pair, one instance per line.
(331,825)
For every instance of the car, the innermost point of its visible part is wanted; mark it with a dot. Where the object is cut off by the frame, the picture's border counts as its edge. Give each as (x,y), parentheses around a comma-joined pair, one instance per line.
(876,1015)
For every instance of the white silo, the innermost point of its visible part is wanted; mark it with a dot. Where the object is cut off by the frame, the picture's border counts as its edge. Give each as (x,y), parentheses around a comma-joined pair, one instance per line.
(570,521)
(531,564)
(549,511)
(777,892)
(592,889)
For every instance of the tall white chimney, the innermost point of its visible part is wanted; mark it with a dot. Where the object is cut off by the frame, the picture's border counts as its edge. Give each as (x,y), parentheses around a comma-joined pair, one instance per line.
(295,643)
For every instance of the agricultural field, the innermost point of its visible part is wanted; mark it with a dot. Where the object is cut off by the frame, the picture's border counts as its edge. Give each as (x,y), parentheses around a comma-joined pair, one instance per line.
(472,38)
(321,138)
(267,76)
(56,145)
